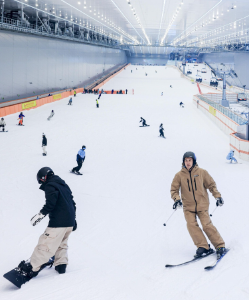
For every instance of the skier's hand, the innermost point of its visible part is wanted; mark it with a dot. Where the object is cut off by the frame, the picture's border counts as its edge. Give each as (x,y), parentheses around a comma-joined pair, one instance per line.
(219,201)
(36,219)
(177,204)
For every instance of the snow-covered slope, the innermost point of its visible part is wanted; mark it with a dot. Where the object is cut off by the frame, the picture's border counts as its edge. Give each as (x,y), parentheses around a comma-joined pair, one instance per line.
(121,246)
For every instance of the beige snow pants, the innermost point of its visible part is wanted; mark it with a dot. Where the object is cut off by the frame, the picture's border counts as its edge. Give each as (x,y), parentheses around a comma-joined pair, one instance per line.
(208,227)
(52,242)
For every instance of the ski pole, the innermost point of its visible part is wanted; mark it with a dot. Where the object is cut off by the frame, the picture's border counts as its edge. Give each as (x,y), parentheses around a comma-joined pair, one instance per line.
(213,211)
(169,218)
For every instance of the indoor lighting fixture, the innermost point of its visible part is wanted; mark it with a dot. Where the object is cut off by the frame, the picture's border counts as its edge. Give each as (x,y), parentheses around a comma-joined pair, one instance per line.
(127,35)
(170,24)
(181,36)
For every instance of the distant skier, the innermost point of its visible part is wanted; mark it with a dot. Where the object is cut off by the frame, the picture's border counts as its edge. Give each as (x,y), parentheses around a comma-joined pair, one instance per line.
(80,159)
(2,124)
(74,93)
(156,71)
(193,183)
(161,129)
(51,115)
(162,94)
(145,74)
(231,157)
(170,86)
(143,122)
(181,104)
(44,144)
(97,103)
(20,118)
(131,71)
(112,91)
(126,91)
(70,101)
(99,95)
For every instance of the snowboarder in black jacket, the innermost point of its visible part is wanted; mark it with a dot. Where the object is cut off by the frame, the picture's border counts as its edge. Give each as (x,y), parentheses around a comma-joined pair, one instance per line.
(44,144)
(161,129)
(143,122)
(61,209)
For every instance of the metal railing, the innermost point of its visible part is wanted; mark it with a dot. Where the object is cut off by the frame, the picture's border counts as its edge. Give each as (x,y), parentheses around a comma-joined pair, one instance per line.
(227,112)
(231,98)
(26,27)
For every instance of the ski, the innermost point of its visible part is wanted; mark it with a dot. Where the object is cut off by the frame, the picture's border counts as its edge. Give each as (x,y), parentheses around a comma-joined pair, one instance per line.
(192,260)
(211,267)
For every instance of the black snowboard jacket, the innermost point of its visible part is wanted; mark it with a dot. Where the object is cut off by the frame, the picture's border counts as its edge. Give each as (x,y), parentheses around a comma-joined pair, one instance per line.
(44,141)
(60,205)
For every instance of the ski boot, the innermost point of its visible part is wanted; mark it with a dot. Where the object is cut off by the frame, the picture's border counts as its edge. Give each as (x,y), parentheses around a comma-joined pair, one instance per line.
(77,172)
(220,251)
(61,269)
(203,251)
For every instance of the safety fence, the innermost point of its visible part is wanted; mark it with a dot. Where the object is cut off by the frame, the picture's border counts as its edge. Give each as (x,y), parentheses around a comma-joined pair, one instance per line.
(227,121)
(225,111)
(217,97)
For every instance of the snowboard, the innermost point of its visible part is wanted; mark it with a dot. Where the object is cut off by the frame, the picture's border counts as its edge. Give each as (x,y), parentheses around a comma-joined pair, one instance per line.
(20,125)
(145,126)
(75,173)
(4,131)
(18,278)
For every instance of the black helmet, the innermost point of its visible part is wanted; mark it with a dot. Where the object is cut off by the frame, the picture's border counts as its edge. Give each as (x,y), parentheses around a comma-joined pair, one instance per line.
(83,147)
(2,119)
(189,154)
(43,172)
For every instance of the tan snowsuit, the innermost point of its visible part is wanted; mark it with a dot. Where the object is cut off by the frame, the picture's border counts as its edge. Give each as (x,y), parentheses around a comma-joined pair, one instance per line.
(195,202)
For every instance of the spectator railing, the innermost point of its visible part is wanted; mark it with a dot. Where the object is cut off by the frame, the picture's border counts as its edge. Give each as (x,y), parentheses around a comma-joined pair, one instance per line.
(227,112)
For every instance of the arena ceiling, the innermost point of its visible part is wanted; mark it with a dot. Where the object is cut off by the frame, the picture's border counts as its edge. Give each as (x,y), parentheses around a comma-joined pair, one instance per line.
(151,23)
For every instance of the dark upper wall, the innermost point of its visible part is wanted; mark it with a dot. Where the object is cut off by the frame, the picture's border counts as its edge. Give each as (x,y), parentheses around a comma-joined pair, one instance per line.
(31,65)
(240,61)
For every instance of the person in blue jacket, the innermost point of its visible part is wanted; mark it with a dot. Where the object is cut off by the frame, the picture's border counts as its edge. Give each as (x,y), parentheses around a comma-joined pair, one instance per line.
(231,157)
(20,118)
(80,159)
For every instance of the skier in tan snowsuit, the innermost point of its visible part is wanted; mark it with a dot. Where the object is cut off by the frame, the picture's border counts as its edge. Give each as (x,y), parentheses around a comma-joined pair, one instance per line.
(193,183)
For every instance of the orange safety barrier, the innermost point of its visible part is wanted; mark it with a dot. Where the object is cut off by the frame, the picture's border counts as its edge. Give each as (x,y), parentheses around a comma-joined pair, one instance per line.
(15,108)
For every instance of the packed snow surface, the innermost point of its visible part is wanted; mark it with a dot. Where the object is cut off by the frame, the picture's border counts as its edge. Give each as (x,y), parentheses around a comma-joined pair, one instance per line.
(120,248)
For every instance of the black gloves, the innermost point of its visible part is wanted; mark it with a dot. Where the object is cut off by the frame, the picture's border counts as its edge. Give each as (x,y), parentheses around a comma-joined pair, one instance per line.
(75,226)
(177,204)
(219,201)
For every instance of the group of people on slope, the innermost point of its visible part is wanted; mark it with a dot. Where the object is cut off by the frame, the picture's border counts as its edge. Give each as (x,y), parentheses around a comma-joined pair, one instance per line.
(188,191)
(161,129)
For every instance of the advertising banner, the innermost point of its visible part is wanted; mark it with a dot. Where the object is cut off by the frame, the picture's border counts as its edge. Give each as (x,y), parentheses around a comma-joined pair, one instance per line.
(212,110)
(57,96)
(28,105)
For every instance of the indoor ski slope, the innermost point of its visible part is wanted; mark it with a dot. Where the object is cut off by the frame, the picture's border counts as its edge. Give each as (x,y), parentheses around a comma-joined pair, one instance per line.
(121,246)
